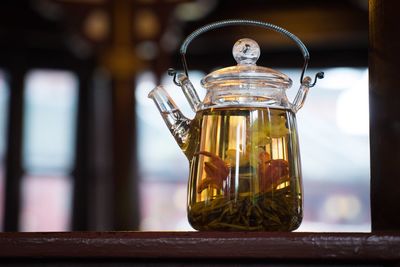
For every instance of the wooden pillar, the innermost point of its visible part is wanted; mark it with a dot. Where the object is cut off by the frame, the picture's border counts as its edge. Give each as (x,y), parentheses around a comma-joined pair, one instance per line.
(384,67)
(13,172)
(125,182)
(121,61)
(82,177)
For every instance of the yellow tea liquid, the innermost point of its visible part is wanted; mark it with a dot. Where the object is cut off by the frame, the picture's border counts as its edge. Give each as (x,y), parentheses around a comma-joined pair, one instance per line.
(244,170)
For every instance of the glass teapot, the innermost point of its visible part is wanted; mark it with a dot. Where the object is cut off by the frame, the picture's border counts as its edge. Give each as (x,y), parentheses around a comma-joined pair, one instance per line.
(242,144)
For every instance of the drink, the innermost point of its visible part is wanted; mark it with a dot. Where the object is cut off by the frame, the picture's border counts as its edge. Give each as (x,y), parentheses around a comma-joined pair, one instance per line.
(244,170)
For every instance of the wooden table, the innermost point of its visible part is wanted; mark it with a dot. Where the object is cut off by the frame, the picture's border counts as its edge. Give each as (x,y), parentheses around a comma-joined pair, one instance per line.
(199,248)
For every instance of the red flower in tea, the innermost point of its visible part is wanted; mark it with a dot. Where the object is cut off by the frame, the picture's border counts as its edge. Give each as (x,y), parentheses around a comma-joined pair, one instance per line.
(271,172)
(216,170)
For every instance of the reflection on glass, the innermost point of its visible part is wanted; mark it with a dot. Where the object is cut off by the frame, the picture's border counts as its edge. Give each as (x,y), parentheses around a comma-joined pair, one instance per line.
(4,97)
(50,109)
(334,148)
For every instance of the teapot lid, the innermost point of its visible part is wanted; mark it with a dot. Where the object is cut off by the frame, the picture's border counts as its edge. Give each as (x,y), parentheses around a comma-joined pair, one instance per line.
(246,74)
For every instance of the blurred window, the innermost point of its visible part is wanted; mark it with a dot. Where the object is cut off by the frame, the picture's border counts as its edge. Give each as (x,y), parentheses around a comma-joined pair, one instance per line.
(334,145)
(49,126)
(4,98)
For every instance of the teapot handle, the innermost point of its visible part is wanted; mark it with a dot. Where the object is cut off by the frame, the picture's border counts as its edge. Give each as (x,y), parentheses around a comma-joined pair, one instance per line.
(233,22)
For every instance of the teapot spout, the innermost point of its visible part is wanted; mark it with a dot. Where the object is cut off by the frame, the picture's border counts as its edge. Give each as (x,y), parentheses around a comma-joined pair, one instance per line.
(176,122)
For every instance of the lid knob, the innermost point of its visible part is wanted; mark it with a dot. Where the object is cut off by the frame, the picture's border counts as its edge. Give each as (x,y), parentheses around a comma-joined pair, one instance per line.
(246,51)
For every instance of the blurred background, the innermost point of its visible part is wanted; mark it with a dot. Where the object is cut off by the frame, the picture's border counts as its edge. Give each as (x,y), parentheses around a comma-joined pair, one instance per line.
(83,148)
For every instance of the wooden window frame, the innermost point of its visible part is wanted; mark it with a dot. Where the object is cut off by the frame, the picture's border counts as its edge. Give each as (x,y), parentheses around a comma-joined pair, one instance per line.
(16,68)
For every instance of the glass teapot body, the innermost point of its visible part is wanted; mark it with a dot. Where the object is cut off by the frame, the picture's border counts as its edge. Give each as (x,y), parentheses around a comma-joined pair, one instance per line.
(242,145)
(243,150)
(244,169)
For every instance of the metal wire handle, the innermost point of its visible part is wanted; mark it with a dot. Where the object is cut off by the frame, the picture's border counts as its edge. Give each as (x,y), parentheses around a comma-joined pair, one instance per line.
(233,22)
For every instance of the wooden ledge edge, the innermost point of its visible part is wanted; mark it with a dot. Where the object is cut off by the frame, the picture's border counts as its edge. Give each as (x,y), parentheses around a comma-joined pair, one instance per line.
(203,245)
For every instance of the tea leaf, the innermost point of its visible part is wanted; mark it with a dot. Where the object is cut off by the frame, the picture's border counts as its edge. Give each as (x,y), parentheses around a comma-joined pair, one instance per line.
(265,211)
